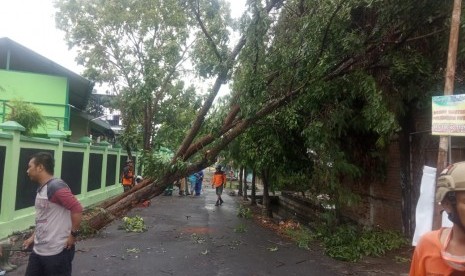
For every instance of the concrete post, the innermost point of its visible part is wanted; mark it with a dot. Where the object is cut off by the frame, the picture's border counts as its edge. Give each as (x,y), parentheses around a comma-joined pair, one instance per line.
(59,136)
(11,161)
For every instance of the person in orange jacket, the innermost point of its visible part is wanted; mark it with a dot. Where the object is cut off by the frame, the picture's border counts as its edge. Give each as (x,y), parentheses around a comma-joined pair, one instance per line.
(442,252)
(218,182)
(127,178)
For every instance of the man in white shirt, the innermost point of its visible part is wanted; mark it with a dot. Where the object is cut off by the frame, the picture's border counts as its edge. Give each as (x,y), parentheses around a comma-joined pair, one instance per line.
(58,217)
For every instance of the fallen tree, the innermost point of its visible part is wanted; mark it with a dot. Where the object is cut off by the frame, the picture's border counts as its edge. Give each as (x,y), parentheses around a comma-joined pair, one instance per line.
(108,210)
(276,77)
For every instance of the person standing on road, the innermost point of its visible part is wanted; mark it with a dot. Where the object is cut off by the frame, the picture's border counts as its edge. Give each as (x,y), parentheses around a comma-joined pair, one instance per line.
(192,180)
(58,217)
(218,182)
(127,178)
(182,186)
(198,183)
(442,252)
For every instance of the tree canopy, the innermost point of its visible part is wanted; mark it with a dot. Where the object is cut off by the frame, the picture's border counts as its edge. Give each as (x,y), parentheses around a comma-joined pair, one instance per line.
(348,73)
(339,77)
(138,49)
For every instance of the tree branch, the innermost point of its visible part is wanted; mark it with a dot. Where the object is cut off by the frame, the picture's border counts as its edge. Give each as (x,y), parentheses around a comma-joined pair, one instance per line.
(426,35)
(221,78)
(206,33)
(229,132)
(328,27)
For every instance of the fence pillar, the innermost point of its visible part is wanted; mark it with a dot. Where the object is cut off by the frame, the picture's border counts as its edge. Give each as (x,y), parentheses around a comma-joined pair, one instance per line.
(85,165)
(11,175)
(59,136)
(104,164)
(118,163)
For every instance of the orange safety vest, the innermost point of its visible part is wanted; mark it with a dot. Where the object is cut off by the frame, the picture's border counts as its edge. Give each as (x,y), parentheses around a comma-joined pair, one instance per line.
(127,177)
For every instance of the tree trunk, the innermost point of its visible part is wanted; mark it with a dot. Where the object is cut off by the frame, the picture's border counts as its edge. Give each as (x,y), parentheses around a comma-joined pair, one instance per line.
(147,125)
(233,128)
(405,180)
(128,150)
(108,210)
(266,195)
(227,64)
(253,201)
(117,206)
(244,189)
(107,203)
(239,192)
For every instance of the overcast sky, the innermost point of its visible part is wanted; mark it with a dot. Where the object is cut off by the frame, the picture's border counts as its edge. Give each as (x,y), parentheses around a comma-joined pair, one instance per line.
(32,24)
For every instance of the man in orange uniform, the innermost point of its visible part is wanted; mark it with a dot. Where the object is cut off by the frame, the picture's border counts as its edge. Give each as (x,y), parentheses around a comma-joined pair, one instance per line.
(442,252)
(218,181)
(127,178)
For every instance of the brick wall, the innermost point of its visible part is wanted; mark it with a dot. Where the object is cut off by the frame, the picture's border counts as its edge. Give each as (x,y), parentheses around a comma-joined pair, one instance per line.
(381,200)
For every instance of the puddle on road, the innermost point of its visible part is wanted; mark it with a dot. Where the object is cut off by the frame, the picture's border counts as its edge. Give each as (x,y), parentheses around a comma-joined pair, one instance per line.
(211,207)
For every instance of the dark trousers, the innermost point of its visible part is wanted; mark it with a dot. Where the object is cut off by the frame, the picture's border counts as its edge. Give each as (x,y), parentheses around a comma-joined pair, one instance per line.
(56,265)
(198,187)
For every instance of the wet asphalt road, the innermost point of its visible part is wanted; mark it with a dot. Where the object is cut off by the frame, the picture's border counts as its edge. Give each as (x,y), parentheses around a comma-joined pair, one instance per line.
(190,236)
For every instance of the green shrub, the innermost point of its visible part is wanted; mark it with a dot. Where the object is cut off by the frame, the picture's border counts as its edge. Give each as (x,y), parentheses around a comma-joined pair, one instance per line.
(377,243)
(302,236)
(26,114)
(350,243)
(244,212)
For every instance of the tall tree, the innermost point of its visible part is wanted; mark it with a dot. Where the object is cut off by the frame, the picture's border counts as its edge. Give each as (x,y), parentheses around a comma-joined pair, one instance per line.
(135,47)
(326,57)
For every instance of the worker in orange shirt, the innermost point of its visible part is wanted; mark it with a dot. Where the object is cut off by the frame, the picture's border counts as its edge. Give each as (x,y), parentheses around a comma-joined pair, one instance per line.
(218,182)
(442,252)
(127,178)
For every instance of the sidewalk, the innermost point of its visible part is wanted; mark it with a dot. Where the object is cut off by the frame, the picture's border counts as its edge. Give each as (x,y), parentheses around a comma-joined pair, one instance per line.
(190,236)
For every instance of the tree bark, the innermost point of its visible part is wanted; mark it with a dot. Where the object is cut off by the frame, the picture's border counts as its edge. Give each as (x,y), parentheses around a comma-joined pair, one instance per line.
(239,192)
(107,203)
(266,195)
(244,189)
(147,125)
(405,173)
(253,198)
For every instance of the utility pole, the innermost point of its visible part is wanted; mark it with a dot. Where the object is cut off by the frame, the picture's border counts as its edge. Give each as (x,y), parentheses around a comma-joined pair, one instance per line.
(448,90)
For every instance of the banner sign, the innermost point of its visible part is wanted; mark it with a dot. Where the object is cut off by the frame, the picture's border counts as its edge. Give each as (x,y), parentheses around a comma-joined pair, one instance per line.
(448,115)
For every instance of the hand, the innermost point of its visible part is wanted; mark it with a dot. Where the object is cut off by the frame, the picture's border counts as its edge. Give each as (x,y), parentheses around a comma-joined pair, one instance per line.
(27,243)
(70,242)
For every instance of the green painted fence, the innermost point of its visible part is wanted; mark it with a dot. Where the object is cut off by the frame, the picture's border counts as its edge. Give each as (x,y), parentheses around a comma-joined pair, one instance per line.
(91,171)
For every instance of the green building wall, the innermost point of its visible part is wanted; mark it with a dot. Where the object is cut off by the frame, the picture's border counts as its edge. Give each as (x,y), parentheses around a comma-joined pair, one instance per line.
(48,93)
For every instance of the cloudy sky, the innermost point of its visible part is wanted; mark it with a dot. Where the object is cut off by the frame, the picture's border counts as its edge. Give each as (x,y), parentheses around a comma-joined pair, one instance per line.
(32,24)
